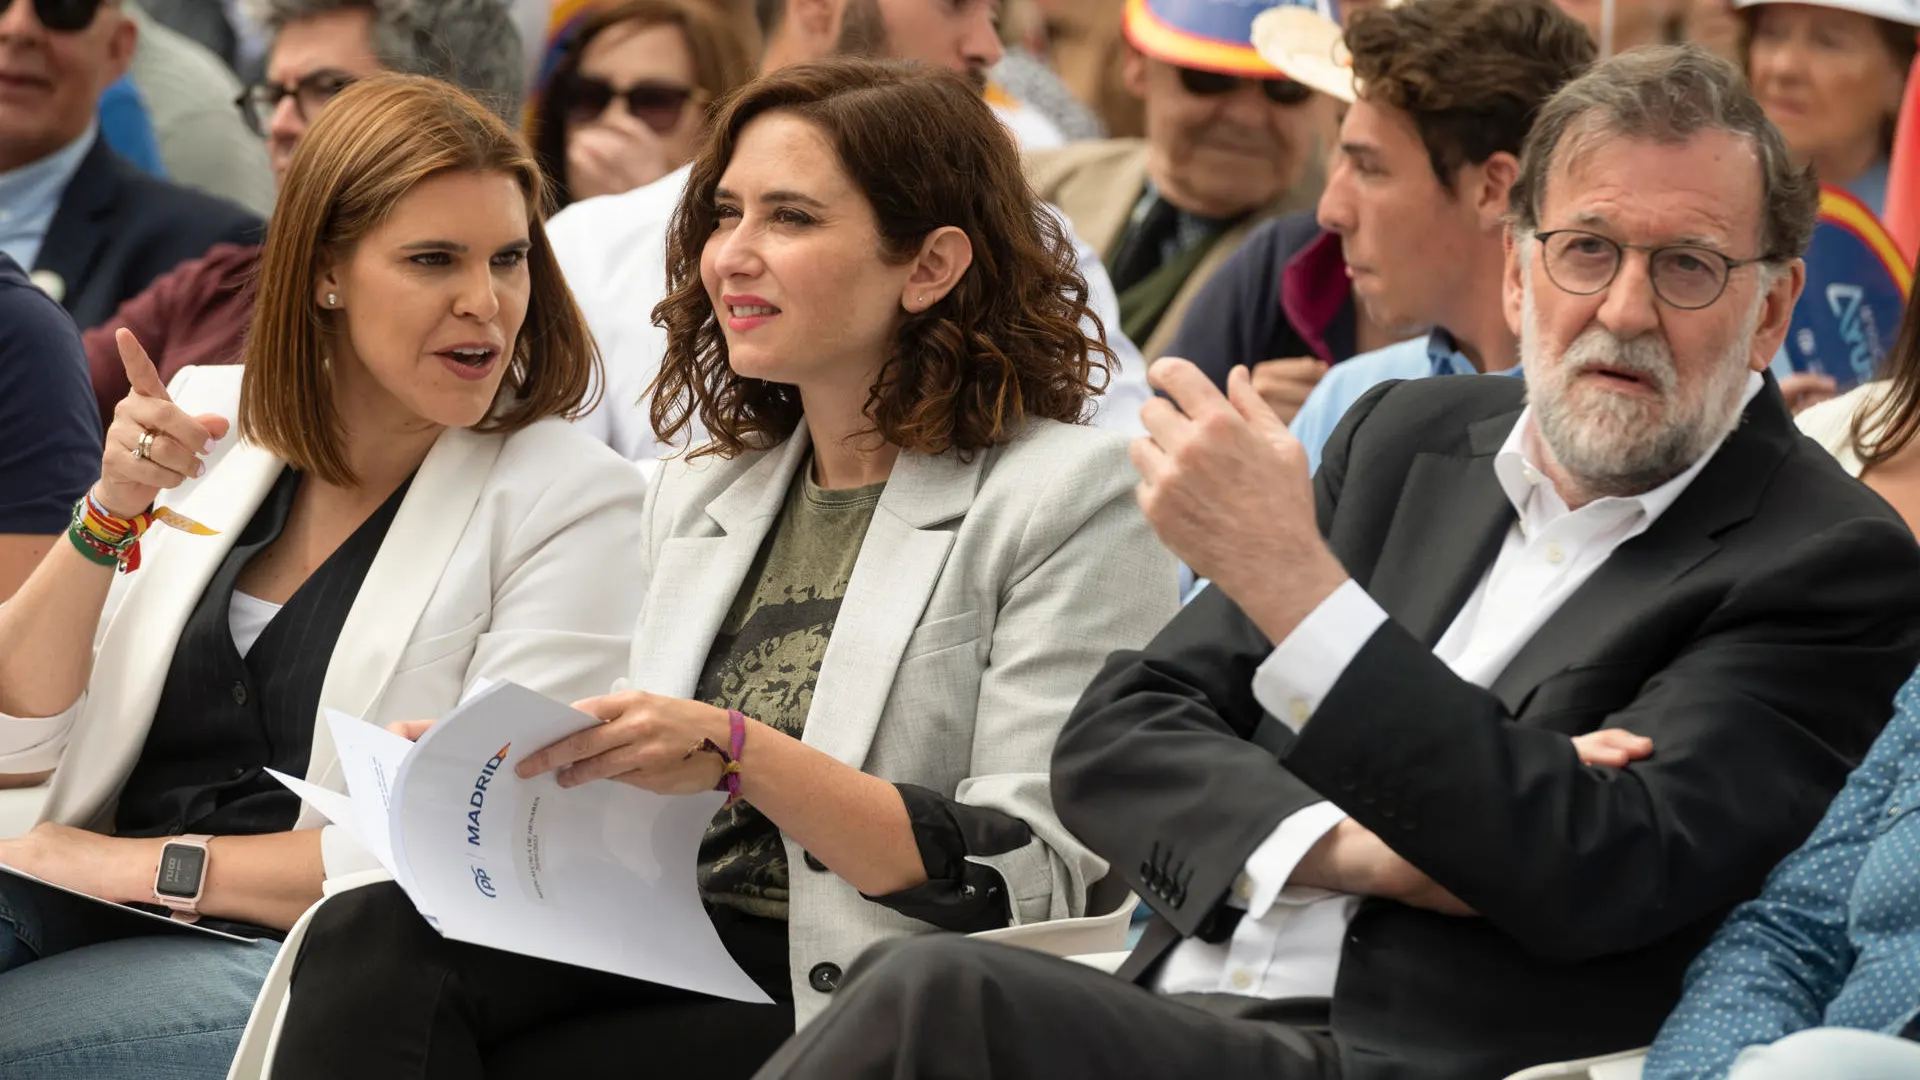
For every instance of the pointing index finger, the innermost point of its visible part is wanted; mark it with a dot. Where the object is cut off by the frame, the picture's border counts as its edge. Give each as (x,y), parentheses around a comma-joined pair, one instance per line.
(141,374)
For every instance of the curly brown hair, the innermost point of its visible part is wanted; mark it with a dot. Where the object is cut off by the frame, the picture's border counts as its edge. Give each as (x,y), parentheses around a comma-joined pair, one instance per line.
(1470,73)
(1005,345)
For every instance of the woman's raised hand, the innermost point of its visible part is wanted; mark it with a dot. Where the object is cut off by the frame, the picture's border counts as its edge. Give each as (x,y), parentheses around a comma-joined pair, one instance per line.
(135,468)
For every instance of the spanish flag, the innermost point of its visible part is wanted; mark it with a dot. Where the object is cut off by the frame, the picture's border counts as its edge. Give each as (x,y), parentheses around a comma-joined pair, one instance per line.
(1902,217)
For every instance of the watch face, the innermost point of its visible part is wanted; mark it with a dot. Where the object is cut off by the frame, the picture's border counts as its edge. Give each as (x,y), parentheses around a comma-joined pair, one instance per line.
(181,867)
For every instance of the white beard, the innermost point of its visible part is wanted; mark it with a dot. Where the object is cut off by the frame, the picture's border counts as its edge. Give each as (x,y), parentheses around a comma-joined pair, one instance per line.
(1614,443)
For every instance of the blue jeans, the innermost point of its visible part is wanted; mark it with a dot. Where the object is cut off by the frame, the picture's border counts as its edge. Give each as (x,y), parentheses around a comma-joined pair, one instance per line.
(81,999)
(1830,1054)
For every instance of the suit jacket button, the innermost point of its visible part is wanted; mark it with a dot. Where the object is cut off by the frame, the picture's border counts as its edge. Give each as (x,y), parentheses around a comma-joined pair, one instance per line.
(813,863)
(1146,872)
(1179,897)
(1345,779)
(239,692)
(824,977)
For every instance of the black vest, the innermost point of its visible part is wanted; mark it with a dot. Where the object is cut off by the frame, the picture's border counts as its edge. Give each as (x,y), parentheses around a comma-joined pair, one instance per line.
(223,720)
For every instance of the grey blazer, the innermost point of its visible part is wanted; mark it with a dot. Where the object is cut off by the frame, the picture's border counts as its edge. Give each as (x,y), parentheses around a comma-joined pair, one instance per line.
(985,597)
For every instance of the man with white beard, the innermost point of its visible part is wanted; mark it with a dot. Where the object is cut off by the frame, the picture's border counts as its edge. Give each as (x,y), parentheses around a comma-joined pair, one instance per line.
(1353,777)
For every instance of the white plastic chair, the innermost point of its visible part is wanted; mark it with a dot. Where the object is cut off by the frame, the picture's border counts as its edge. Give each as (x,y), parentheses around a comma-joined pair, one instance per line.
(1100,933)
(1622,1066)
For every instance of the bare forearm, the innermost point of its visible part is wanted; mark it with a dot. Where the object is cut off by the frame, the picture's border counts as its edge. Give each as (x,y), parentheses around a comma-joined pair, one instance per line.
(854,823)
(266,880)
(19,554)
(46,633)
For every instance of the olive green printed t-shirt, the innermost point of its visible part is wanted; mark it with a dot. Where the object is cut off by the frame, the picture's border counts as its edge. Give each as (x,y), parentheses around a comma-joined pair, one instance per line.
(765,662)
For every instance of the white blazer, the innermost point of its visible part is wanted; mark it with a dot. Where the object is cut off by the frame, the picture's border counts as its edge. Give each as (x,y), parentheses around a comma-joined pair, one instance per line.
(985,597)
(1830,423)
(512,557)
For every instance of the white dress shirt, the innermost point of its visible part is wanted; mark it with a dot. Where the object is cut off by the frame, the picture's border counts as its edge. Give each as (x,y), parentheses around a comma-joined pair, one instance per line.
(613,252)
(1289,942)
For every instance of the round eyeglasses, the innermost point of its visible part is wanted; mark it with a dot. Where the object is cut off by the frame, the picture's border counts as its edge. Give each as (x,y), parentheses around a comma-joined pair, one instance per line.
(1685,276)
(309,94)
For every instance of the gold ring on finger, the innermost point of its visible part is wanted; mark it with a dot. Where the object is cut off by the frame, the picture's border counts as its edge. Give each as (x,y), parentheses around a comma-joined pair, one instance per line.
(143,450)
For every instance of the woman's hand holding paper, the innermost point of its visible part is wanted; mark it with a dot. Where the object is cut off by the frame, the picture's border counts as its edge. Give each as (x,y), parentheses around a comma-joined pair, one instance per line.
(643,739)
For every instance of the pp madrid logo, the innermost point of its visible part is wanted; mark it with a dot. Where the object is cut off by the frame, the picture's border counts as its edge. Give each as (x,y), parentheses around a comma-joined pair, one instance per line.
(476,802)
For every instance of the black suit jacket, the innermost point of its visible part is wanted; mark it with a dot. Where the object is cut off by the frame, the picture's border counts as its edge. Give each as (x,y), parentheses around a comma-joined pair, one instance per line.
(1756,632)
(118,228)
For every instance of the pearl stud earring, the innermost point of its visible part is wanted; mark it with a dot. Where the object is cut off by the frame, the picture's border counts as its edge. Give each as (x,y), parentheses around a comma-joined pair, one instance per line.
(333,300)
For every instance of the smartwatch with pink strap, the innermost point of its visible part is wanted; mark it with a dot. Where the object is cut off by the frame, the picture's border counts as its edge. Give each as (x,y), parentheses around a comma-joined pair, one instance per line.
(182,876)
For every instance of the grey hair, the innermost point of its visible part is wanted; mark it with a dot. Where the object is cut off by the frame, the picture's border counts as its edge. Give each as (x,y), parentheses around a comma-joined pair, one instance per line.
(1669,94)
(472,44)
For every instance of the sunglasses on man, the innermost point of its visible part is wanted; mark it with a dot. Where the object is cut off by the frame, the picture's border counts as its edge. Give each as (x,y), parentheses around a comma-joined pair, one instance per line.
(658,105)
(1280,90)
(62,16)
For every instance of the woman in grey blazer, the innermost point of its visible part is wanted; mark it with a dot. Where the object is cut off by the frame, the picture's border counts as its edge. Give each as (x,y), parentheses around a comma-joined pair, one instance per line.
(877,584)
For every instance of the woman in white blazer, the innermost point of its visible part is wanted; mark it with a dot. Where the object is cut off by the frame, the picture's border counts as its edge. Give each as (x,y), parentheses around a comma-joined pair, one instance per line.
(873,596)
(406,510)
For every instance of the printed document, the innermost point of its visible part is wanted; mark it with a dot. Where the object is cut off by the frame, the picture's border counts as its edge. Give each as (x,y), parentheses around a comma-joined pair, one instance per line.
(600,876)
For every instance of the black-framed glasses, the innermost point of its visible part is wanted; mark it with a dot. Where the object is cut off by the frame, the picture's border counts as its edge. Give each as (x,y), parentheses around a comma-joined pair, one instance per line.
(310,94)
(1280,91)
(1686,276)
(658,105)
(62,16)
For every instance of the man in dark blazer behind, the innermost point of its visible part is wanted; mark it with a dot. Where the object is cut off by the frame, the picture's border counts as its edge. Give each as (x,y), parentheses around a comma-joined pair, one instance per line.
(94,229)
(1376,714)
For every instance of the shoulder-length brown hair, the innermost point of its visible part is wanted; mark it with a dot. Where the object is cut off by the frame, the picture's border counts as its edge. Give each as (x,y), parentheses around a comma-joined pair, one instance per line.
(1004,345)
(721,63)
(370,146)
(1891,420)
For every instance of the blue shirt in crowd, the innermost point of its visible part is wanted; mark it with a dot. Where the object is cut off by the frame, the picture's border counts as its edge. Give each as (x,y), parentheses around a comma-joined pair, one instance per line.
(49,422)
(1344,383)
(127,128)
(1833,940)
(30,194)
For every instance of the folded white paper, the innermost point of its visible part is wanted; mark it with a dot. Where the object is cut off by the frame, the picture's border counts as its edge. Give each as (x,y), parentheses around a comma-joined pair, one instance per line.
(601,876)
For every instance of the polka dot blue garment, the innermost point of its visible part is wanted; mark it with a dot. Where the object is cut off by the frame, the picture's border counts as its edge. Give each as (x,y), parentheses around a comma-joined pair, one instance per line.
(1834,938)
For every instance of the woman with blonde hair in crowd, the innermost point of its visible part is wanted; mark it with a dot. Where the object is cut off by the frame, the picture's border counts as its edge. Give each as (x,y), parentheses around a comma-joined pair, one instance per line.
(876,587)
(631,96)
(405,509)
(1830,74)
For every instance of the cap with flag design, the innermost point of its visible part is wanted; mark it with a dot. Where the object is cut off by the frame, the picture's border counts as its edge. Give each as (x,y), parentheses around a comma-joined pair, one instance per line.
(1211,35)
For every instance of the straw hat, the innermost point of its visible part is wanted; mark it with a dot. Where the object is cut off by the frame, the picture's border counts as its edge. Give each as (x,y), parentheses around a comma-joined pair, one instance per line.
(1210,35)
(1904,12)
(1307,45)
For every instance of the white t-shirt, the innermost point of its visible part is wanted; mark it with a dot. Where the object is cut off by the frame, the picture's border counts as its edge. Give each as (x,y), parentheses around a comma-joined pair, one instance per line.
(247,617)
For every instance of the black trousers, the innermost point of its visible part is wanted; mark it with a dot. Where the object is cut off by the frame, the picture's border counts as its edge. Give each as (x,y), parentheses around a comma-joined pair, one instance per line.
(940,1007)
(378,994)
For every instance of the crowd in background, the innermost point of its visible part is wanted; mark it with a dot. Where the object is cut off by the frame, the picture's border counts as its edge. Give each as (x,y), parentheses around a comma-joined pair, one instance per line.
(1352,476)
